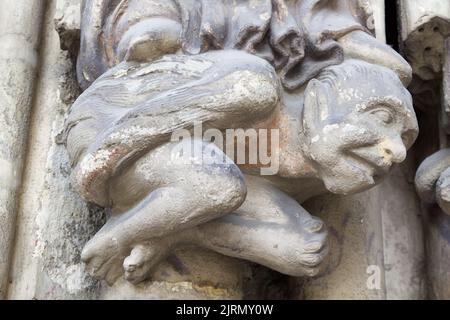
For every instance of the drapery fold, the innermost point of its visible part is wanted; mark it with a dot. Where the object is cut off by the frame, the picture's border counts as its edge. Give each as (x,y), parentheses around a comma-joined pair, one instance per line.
(298,37)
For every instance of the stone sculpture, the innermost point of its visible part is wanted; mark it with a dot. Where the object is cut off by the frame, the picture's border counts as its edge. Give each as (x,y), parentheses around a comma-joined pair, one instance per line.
(309,69)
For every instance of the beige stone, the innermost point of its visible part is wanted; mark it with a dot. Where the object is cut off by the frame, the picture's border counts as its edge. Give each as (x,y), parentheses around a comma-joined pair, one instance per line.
(370,229)
(424,25)
(20,33)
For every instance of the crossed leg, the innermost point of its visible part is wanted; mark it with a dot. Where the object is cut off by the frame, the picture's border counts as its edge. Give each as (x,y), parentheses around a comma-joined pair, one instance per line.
(135,107)
(160,194)
(183,190)
(169,200)
(203,204)
(270,228)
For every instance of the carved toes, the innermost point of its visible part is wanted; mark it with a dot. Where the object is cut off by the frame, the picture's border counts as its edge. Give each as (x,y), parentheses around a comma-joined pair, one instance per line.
(314,249)
(114,273)
(100,267)
(314,225)
(312,262)
(136,267)
(103,259)
(141,261)
(315,252)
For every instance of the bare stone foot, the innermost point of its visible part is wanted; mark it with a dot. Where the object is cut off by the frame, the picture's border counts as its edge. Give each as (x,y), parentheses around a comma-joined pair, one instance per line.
(103,256)
(314,246)
(143,258)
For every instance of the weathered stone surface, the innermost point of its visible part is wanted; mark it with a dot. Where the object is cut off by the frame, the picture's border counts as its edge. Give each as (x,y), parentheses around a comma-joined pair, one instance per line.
(424,27)
(270,228)
(67,21)
(378,232)
(349,129)
(438,252)
(20,32)
(52,222)
(377,249)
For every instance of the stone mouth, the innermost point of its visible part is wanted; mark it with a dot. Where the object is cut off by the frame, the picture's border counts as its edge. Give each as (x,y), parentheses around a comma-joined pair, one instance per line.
(371,164)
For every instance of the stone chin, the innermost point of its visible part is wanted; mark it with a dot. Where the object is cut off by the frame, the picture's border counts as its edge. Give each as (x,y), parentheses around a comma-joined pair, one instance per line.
(350,177)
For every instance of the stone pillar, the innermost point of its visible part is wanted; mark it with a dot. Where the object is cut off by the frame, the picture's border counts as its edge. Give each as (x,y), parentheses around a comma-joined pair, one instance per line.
(20,31)
(52,222)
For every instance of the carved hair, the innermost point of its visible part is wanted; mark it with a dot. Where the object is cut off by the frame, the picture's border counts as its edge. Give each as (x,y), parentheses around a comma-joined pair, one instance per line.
(357,73)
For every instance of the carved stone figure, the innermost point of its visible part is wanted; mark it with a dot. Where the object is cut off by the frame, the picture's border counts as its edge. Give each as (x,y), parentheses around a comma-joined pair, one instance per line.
(308,68)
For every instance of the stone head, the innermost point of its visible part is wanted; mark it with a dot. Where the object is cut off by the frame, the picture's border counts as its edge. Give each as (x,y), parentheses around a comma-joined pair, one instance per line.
(358,120)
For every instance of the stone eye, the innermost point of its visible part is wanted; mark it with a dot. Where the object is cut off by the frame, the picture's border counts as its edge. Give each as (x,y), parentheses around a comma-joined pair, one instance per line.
(383,115)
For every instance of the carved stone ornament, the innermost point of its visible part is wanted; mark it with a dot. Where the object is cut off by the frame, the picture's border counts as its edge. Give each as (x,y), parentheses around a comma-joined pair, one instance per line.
(314,101)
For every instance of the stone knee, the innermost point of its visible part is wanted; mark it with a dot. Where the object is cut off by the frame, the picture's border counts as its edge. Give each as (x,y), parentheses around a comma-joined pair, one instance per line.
(203,175)
(247,79)
(207,172)
(234,60)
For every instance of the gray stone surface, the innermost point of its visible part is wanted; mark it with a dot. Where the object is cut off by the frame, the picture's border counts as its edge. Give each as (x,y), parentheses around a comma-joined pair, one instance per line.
(20,33)
(52,222)
(353,121)
(377,245)
(424,25)
(217,258)
(425,30)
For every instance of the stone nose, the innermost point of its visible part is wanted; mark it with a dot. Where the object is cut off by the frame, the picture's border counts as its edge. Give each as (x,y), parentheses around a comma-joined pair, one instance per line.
(394,150)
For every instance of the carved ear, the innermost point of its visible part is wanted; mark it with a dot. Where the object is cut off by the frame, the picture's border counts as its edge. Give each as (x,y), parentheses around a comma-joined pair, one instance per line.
(316,108)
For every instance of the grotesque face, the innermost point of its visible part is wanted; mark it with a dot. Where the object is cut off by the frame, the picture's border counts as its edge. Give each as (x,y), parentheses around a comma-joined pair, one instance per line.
(358,121)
